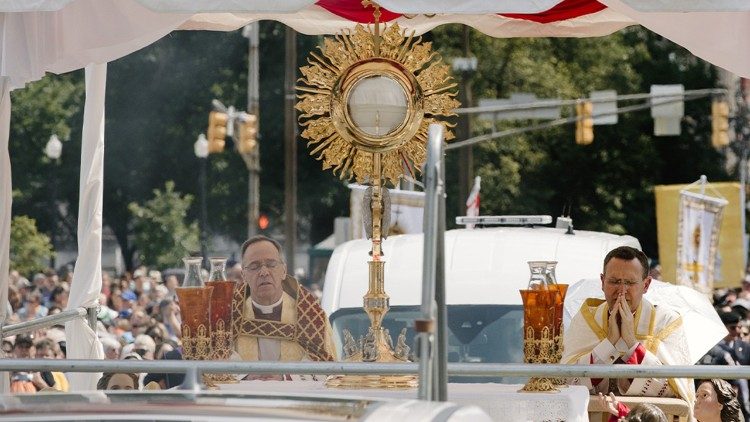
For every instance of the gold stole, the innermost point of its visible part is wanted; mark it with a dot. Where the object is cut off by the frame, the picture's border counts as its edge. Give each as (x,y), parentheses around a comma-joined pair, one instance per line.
(644,327)
(302,328)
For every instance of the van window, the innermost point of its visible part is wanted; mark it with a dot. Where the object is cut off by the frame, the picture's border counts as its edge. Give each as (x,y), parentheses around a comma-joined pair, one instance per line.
(476,333)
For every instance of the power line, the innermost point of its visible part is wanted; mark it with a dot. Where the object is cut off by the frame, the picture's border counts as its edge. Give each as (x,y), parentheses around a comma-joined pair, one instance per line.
(669,99)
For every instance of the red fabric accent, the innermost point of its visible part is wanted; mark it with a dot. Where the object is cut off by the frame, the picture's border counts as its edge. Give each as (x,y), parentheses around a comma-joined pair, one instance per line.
(637,357)
(354,11)
(622,411)
(566,9)
(594,381)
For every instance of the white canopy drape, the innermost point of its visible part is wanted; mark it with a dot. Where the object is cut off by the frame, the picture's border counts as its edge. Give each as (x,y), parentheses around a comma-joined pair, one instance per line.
(82,341)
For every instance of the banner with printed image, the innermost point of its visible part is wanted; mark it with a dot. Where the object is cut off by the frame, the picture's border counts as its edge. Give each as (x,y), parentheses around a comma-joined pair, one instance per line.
(698,237)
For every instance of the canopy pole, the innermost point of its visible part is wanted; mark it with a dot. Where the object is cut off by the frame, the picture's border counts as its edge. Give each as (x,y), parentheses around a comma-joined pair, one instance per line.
(5,212)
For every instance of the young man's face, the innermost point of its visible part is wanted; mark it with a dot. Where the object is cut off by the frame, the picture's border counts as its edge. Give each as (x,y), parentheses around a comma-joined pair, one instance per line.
(622,277)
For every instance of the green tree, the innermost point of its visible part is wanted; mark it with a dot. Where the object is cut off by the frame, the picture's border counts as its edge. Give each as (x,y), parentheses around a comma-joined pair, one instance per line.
(52,105)
(162,235)
(29,249)
(608,185)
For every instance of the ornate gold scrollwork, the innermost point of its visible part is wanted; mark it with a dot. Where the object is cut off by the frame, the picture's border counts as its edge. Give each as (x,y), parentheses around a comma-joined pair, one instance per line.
(417,81)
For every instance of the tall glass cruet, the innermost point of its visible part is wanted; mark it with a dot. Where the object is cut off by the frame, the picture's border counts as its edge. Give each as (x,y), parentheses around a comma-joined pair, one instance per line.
(193,272)
(539,279)
(218,269)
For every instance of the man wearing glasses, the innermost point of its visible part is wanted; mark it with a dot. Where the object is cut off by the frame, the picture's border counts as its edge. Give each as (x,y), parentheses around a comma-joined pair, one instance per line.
(274,317)
(626,328)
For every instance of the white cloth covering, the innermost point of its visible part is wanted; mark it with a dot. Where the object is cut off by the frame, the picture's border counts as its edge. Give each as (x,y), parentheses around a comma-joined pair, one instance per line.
(503,402)
(83,342)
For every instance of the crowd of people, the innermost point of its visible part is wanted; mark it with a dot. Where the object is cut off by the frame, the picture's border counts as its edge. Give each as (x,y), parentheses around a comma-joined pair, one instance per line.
(138,318)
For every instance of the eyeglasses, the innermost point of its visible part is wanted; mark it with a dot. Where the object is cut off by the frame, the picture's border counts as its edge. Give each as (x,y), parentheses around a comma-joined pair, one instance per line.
(255,266)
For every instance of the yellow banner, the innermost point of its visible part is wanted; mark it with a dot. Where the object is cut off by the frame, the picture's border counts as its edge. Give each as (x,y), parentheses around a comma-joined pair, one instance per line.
(730,261)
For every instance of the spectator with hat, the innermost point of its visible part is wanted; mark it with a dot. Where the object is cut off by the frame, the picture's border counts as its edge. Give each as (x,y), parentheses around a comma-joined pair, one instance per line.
(732,351)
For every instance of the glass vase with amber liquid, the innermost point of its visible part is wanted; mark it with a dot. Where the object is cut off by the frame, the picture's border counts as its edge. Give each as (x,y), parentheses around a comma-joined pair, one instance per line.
(221,308)
(557,334)
(539,323)
(195,306)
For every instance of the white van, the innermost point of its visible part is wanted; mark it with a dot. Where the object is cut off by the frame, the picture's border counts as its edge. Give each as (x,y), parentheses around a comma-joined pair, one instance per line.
(485,269)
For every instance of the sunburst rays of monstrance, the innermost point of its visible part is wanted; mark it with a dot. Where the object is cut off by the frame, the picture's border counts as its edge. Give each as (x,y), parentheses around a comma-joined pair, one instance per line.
(367,101)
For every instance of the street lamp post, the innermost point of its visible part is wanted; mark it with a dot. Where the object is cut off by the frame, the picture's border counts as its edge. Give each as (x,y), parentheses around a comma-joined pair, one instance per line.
(201,151)
(53,151)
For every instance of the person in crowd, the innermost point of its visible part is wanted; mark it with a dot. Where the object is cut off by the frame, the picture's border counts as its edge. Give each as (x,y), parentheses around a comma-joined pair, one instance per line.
(171,283)
(716,401)
(619,412)
(33,307)
(732,350)
(139,321)
(170,316)
(741,307)
(46,348)
(118,381)
(24,348)
(167,381)
(625,328)
(59,297)
(144,346)
(270,302)
(111,347)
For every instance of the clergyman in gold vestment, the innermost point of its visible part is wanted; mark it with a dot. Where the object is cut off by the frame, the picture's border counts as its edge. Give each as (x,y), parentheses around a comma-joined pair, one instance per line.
(627,329)
(274,317)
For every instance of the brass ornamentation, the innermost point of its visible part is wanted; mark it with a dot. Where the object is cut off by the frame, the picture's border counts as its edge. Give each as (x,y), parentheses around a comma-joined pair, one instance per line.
(541,349)
(196,346)
(332,76)
(365,104)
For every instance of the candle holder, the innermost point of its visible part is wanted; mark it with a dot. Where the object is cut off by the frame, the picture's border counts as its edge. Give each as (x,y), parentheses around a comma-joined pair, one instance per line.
(540,324)
(222,342)
(195,304)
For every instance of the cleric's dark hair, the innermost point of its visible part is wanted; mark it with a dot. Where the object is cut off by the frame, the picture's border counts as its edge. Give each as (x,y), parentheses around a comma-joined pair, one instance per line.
(627,253)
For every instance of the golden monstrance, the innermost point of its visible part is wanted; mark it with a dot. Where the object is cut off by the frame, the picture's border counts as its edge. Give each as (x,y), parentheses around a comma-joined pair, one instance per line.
(367,101)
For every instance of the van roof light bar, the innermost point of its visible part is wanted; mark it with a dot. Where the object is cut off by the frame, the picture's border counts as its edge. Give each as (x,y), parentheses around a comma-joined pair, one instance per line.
(505,220)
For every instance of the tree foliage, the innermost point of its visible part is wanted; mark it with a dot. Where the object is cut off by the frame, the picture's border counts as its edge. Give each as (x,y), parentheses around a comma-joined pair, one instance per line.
(162,234)
(29,249)
(608,185)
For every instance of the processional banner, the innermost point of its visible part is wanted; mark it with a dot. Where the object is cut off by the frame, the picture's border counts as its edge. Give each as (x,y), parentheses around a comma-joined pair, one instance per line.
(698,238)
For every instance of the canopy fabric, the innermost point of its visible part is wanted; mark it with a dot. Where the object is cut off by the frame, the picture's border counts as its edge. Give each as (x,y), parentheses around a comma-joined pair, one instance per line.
(717,37)
(6,199)
(82,32)
(689,5)
(83,342)
(571,18)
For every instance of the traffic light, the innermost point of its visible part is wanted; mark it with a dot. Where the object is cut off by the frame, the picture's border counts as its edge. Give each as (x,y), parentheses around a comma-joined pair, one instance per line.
(248,134)
(263,222)
(217,131)
(719,123)
(584,123)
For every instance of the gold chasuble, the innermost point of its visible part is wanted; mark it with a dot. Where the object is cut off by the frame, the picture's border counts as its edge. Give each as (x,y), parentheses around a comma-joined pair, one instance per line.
(304,332)
(661,341)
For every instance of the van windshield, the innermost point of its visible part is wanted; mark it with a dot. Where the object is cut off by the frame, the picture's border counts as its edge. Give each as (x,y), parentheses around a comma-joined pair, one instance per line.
(476,333)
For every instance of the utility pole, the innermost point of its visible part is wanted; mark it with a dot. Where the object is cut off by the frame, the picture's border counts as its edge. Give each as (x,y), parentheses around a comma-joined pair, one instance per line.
(466,155)
(252,159)
(290,148)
